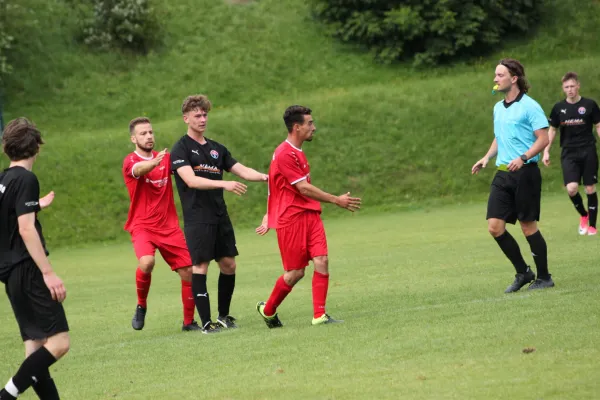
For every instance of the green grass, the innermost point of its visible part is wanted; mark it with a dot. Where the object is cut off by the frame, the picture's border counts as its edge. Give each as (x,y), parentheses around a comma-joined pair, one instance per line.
(421,293)
(399,138)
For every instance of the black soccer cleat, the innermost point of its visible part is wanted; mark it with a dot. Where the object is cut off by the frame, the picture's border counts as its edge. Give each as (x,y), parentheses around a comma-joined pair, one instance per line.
(227,322)
(139,318)
(271,321)
(191,327)
(520,281)
(210,328)
(542,283)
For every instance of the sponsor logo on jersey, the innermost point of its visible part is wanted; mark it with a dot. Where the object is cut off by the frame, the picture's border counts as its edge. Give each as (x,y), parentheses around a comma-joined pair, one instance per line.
(2,188)
(563,111)
(31,203)
(158,183)
(177,162)
(581,110)
(573,121)
(214,154)
(211,169)
(195,151)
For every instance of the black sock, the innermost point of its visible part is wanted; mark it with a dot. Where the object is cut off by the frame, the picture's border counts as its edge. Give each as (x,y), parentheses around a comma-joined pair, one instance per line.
(593,208)
(539,250)
(4,395)
(226,286)
(201,297)
(511,250)
(35,365)
(45,387)
(578,203)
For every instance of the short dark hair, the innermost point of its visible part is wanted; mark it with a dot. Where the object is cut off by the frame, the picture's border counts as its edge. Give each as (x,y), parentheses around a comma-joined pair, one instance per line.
(295,115)
(196,102)
(137,121)
(21,139)
(570,75)
(515,68)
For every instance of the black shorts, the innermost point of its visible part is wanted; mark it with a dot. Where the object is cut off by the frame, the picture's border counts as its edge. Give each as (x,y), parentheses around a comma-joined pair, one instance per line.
(516,195)
(208,242)
(580,164)
(38,316)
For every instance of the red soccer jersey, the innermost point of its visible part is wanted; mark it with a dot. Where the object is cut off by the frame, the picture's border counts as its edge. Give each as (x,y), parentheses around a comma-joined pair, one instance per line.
(288,167)
(152,205)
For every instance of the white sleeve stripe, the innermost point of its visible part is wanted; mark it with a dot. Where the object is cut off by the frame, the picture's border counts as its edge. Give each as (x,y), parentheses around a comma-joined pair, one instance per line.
(132,174)
(298,180)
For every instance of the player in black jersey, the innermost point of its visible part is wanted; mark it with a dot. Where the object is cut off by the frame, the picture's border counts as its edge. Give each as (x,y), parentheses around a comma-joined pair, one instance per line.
(576,116)
(34,290)
(198,164)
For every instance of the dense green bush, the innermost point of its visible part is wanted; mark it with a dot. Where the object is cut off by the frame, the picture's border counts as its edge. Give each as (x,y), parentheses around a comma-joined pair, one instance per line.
(126,24)
(427,31)
(5,39)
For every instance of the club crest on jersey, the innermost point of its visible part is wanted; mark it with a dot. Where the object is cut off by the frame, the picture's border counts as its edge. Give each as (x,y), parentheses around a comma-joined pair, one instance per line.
(214,154)
(581,110)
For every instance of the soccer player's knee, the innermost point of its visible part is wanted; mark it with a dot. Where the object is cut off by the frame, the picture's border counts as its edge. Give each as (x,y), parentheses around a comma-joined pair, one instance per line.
(322,264)
(147,264)
(572,189)
(590,189)
(185,273)
(495,230)
(59,344)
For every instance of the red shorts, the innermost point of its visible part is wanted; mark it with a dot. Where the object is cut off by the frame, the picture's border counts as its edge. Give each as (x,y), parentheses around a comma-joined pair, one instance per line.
(170,243)
(302,240)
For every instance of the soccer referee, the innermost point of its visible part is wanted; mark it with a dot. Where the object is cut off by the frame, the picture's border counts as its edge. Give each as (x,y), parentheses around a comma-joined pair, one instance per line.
(521,133)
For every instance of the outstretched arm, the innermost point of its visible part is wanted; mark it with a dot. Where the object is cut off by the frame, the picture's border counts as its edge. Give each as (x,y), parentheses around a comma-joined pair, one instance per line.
(196,182)
(343,201)
(248,174)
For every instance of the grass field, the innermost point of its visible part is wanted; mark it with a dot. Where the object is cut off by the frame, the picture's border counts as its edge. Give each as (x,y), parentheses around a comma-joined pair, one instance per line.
(421,293)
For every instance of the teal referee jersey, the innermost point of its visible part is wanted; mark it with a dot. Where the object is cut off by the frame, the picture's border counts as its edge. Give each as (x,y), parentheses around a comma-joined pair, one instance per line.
(514,124)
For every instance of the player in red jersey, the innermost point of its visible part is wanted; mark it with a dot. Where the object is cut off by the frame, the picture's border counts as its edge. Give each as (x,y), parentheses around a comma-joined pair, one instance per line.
(152,221)
(294,211)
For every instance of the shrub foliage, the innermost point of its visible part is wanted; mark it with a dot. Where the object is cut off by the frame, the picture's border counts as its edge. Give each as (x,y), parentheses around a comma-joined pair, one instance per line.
(125,24)
(426,31)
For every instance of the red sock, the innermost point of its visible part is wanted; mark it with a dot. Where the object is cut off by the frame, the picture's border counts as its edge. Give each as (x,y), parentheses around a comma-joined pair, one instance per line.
(280,291)
(320,284)
(142,282)
(187,298)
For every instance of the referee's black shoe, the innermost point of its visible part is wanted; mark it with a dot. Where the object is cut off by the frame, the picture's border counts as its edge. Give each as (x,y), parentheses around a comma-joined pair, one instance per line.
(520,281)
(139,318)
(542,283)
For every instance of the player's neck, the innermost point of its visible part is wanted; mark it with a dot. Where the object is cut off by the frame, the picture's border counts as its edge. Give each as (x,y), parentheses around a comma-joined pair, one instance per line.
(27,164)
(197,136)
(143,153)
(512,94)
(294,141)
(573,100)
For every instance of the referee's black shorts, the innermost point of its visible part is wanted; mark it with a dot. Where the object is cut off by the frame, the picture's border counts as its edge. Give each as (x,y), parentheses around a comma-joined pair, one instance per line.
(38,316)
(208,242)
(516,195)
(580,165)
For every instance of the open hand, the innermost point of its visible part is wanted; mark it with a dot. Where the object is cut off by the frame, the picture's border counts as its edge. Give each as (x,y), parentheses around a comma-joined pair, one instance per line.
(264,226)
(55,286)
(46,200)
(235,187)
(160,156)
(349,203)
(479,165)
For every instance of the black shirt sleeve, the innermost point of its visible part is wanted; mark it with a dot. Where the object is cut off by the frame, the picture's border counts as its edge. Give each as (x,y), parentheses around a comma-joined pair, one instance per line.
(595,113)
(179,156)
(27,195)
(554,118)
(228,160)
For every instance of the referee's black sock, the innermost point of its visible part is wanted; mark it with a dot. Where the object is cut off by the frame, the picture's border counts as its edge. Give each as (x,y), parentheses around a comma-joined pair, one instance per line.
(511,250)
(201,297)
(34,366)
(45,387)
(226,286)
(539,250)
(578,203)
(593,208)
